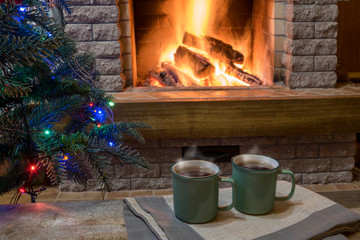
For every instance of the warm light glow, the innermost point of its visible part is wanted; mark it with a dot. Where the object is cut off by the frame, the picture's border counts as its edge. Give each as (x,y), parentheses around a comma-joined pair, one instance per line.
(98,125)
(200,18)
(32,168)
(233,81)
(239,65)
(203,53)
(191,16)
(66,157)
(199,14)
(168,55)
(22,190)
(91,104)
(156,83)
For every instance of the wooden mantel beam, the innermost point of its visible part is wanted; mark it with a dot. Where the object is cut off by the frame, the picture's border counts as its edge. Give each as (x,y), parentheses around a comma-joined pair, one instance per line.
(244,117)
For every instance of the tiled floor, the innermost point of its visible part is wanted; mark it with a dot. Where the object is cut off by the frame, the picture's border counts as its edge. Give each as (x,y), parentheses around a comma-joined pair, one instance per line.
(52,194)
(230,93)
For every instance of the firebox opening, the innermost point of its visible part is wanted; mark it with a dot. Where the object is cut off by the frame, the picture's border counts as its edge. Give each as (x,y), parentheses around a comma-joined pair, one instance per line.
(188,43)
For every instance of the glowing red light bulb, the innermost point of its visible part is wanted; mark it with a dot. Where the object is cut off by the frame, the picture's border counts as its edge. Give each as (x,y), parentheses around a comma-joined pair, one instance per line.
(32,168)
(22,190)
(91,104)
(99,125)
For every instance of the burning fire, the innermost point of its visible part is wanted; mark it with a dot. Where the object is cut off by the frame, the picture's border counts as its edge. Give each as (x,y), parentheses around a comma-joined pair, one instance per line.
(155,82)
(196,59)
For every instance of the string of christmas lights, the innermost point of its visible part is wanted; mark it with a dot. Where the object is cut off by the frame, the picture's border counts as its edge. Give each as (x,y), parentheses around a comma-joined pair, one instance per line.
(98,116)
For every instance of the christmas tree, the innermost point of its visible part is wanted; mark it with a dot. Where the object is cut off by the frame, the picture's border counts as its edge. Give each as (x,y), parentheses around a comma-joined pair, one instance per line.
(54,119)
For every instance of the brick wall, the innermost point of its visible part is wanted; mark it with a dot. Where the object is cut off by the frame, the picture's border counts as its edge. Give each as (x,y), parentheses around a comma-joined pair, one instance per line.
(310,44)
(313,158)
(94,25)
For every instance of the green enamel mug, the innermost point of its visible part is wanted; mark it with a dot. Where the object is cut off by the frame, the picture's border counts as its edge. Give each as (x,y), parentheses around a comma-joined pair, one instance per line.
(196,191)
(256,177)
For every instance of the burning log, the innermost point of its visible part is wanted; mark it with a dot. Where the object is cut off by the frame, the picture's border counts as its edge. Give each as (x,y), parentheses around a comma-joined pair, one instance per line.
(200,66)
(179,77)
(232,70)
(214,47)
(159,79)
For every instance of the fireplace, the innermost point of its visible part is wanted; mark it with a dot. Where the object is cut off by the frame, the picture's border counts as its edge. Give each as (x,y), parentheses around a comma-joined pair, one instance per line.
(203,43)
(296,45)
(297,116)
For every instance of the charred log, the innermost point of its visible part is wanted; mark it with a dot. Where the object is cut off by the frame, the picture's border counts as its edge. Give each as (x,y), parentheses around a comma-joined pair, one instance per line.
(234,71)
(179,77)
(159,79)
(214,47)
(199,65)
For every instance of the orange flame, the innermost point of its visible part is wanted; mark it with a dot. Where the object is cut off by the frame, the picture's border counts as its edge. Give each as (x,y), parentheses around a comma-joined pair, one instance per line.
(156,83)
(195,17)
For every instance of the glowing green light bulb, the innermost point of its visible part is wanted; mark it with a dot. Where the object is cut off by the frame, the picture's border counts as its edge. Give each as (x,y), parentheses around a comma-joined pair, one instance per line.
(47,132)
(111,104)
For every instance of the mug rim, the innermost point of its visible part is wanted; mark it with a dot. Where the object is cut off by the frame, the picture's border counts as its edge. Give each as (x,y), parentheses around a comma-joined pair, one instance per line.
(255,170)
(192,161)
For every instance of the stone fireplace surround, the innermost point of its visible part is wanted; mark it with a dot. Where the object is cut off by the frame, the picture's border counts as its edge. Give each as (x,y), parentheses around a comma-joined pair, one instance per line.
(313,137)
(304,41)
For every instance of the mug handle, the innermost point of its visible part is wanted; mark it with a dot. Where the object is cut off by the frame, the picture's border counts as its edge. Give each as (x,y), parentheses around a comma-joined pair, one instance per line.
(292,185)
(229,180)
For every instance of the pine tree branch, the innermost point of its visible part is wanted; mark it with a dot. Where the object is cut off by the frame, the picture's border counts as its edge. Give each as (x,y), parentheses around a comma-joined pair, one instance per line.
(118,129)
(121,152)
(76,169)
(24,51)
(42,41)
(101,168)
(7,10)
(129,155)
(74,143)
(45,114)
(9,88)
(53,169)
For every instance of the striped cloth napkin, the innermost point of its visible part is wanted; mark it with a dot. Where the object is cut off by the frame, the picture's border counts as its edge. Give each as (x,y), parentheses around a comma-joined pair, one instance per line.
(307,215)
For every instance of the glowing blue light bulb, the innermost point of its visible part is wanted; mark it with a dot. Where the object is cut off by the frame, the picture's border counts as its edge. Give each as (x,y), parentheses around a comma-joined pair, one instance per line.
(49,34)
(111,144)
(22,9)
(100,112)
